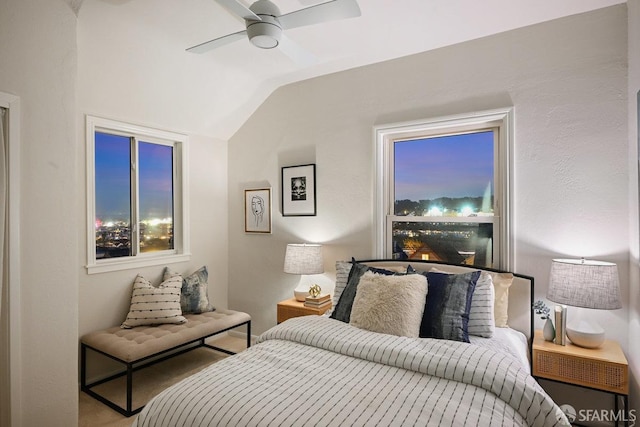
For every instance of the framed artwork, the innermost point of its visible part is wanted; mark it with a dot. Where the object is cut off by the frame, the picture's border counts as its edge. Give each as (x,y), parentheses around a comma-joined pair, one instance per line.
(299,190)
(257,211)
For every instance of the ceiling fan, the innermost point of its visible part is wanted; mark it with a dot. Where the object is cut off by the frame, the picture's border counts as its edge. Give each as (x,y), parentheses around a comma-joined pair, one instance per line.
(264,25)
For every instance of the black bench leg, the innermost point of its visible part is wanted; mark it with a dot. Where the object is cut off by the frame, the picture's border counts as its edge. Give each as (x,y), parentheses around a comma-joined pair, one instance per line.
(248,334)
(83,366)
(129,388)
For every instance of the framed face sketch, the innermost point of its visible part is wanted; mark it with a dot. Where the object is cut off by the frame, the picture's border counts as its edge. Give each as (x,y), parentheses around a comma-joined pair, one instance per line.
(257,210)
(299,190)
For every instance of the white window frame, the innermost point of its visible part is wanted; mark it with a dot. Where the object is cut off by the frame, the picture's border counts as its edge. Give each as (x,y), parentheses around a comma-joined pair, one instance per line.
(179,142)
(385,135)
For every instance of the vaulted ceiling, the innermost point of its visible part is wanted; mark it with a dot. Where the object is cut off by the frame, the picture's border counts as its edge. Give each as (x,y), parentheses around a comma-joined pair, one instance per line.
(243,75)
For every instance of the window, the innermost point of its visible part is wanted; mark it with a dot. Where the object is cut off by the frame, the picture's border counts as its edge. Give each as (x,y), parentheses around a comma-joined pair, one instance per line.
(136,196)
(443,190)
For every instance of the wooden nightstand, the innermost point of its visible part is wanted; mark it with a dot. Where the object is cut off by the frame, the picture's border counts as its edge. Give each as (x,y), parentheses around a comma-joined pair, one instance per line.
(604,369)
(293,308)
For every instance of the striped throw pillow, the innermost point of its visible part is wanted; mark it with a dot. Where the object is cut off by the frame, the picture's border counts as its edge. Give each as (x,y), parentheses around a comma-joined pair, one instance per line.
(342,275)
(154,305)
(481,320)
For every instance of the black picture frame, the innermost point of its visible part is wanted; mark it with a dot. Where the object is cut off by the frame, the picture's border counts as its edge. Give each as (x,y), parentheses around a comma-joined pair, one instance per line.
(298,185)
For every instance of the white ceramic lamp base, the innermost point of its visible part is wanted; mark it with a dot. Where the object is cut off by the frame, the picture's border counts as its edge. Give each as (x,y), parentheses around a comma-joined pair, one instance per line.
(301,293)
(585,334)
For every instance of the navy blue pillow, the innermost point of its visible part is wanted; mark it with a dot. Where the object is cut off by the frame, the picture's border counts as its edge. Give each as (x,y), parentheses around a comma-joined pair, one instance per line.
(446,311)
(342,311)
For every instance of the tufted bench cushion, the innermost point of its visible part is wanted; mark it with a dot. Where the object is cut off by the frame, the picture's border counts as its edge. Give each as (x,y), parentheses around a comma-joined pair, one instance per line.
(143,346)
(130,345)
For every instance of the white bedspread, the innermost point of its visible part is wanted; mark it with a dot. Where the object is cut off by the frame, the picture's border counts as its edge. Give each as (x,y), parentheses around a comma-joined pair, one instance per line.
(318,371)
(507,341)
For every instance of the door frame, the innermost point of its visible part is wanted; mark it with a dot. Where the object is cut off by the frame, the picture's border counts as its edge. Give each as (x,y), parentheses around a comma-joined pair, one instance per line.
(12,104)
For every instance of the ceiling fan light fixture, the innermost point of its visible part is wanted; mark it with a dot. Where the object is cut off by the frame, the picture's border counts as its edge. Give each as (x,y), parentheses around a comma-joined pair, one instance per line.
(264,24)
(264,34)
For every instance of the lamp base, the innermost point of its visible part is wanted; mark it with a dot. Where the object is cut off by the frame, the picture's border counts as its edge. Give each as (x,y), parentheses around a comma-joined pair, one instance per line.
(585,334)
(301,293)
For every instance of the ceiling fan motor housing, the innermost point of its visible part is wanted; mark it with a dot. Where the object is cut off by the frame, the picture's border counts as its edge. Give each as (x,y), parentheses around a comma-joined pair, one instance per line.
(264,34)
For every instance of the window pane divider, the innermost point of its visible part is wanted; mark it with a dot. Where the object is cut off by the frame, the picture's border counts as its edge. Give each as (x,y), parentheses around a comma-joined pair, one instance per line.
(135,217)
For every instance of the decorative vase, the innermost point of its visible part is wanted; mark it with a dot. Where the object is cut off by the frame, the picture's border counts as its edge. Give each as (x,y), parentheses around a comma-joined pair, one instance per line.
(548,332)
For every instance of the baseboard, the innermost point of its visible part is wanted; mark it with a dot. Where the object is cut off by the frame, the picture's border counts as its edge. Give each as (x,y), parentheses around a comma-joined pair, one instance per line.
(243,335)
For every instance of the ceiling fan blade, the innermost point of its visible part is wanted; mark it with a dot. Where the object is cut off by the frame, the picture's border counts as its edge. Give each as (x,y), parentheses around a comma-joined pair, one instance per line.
(215,43)
(294,51)
(239,9)
(323,12)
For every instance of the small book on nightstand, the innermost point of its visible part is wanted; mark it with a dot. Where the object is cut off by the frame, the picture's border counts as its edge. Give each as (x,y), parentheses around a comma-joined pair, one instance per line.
(320,301)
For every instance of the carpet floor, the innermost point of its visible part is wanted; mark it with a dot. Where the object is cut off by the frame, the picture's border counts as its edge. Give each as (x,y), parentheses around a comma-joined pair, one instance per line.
(150,381)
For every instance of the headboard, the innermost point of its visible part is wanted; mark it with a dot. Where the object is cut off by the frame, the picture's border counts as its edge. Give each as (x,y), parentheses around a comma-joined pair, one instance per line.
(520,293)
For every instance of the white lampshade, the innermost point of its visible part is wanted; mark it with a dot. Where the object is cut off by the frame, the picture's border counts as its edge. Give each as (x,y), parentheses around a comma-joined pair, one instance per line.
(303,259)
(587,284)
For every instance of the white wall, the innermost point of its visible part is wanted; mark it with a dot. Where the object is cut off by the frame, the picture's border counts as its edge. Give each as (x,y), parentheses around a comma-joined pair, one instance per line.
(633,7)
(40,68)
(143,97)
(58,82)
(567,81)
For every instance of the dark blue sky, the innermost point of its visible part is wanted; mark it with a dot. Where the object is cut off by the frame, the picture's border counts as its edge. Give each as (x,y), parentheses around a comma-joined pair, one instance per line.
(112,171)
(449,166)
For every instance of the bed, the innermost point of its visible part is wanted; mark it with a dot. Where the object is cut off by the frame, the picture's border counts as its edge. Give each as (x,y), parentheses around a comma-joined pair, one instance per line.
(379,369)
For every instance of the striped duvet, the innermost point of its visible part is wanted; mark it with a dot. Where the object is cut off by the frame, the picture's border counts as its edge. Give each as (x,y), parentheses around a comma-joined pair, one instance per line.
(316,371)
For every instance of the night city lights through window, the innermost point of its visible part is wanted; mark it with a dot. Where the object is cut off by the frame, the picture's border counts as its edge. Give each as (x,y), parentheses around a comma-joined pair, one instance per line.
(137,197)
(115,206)
(445,190)
(447,177)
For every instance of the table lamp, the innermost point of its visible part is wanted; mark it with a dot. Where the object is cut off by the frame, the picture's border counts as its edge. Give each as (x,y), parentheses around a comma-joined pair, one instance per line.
(303,259)
(587,284)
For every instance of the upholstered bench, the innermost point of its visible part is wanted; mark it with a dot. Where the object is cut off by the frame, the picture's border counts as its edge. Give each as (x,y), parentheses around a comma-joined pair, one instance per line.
(142,346)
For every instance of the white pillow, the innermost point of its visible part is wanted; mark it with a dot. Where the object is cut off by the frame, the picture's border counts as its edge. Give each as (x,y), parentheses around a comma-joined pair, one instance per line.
(155,305)
(343,268)
(501,284)
(390,304)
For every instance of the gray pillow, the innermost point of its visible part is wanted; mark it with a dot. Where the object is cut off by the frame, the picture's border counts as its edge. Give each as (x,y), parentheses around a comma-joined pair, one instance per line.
(194,295)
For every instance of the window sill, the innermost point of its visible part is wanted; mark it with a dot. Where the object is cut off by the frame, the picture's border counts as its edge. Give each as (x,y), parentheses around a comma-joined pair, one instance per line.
(117,265)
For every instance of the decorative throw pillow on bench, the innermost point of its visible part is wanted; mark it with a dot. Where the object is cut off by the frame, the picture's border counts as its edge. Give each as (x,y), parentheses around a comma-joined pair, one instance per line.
(167,302)
(155,305)
(194,296)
